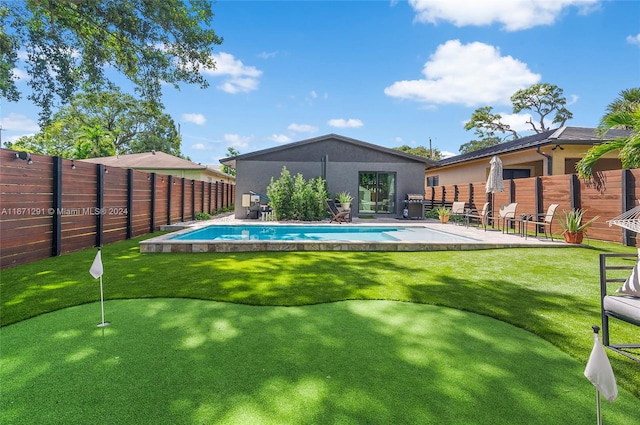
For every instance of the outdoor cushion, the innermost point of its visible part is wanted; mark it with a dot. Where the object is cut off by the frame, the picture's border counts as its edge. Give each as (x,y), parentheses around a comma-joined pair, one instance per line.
(625,307)
(632,284)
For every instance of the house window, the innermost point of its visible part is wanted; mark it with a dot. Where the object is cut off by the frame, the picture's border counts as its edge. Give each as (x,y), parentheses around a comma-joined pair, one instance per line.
(515,173)
(376,192)
(433,181)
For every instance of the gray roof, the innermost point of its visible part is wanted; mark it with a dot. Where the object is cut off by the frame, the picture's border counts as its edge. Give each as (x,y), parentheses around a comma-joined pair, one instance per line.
(559,136)
(231,160)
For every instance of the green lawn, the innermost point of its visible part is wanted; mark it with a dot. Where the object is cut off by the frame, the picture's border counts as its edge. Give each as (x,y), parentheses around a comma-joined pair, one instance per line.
(552,293)
(179,361)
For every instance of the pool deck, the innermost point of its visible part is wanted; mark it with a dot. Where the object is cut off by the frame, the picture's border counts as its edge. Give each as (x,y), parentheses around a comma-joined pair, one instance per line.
(480,239)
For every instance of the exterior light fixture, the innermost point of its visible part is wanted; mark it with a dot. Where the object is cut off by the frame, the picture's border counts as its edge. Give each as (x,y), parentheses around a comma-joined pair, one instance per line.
(73,165)
(25,156)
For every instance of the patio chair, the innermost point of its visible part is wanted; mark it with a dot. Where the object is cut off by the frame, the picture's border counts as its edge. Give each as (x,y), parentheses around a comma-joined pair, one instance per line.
(623,305)
(457,211)
(337,215)
(506,214)
(542,220)
(481,216)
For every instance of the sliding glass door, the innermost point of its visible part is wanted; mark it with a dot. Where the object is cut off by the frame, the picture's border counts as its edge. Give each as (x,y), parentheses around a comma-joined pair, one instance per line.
(376,192)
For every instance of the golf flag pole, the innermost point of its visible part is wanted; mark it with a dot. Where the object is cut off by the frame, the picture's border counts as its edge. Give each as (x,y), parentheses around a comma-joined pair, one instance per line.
(96,271)
(600,373)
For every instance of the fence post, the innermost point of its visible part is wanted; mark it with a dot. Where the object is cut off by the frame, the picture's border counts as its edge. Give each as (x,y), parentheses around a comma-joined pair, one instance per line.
(574,191)
(193,199)
(538,196)
(182,200)
(56,240)
(628,186)
(169,186)
(512,191)
(129,203)
(210,194)
(100,169)
(202,195)
(152,221)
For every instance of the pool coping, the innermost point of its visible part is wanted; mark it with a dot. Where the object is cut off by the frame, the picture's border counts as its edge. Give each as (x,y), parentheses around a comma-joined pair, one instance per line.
(489,239)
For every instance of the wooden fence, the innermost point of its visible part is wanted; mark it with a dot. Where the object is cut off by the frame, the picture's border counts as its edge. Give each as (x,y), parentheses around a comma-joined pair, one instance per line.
(608,195)
(50,206)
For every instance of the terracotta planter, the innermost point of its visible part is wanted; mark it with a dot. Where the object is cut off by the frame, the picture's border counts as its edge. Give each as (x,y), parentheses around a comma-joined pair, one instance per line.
(444,219)
(573,237)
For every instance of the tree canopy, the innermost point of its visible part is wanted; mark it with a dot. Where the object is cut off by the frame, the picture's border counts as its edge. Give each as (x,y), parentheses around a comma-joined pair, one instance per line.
(70,44)
(545,101)
(430,153)
(622,113)
(103,124)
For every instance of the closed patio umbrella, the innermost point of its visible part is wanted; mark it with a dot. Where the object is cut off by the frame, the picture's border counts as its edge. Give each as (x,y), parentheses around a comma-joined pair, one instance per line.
(495,183)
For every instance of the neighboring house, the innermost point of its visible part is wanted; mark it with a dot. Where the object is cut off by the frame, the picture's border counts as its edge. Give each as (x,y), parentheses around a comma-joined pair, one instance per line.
(378,178)
(549,153)
(163,163)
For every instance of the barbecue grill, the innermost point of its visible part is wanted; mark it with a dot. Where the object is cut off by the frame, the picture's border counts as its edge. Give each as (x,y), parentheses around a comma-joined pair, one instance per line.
(414,206)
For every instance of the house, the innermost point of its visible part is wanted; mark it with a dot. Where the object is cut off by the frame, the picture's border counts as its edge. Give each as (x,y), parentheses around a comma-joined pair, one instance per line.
(552,152)
(378,178)
(163,163)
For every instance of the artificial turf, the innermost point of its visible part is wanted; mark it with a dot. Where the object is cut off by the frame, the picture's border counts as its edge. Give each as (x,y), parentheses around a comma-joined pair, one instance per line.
(177,361)
(551,292)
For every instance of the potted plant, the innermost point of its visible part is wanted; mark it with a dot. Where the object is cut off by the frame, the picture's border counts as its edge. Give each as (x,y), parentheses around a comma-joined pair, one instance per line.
(345,199)
(443,213)
(573,229)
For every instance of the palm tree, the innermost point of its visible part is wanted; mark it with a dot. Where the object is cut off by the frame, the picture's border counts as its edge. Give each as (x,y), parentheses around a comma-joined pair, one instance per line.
(622,113)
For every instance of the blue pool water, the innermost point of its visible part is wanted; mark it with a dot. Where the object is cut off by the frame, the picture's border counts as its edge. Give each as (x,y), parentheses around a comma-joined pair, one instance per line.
(318,233)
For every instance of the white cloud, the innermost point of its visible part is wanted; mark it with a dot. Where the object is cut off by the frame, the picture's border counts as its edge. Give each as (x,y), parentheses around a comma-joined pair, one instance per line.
(237,141)
(470,74)
(267,55)
(302,128)
(342,123)
(514,15)
(447,154)
(239,78)
(314,94)
(633,39)
(19,74)
(279,138)
(18,122)
(199,147)
(517,122)
(573,99)
(194,118)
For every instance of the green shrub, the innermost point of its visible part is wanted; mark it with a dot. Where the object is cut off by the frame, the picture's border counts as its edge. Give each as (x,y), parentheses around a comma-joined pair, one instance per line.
(203,216)
(294,198)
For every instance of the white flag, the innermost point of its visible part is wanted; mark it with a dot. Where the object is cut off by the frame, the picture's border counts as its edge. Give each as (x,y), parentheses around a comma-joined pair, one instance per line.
(96,267)
(599,371)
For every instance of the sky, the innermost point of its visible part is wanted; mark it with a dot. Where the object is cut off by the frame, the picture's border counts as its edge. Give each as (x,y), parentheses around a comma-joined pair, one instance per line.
(389,72)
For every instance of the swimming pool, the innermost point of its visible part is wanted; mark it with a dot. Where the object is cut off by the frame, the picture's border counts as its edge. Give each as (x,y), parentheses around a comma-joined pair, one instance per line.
(387,236)
(294,233)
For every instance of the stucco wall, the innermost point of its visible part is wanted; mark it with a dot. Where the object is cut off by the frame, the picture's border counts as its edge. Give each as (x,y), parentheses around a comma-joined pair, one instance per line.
(538,164)
(345,161)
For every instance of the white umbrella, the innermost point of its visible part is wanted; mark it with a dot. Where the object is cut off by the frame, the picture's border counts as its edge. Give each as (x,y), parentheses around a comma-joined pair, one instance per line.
(495,183)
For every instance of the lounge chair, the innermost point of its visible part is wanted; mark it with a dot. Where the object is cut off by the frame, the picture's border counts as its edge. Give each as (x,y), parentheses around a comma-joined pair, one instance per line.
(541,220)
(481,216)
(506,214)
(623,305)
(337,215)
(457,211)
